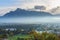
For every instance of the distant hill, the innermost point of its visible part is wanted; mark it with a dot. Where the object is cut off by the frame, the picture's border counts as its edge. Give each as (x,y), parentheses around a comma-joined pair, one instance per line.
(57,15)
(25,13)
(55,11)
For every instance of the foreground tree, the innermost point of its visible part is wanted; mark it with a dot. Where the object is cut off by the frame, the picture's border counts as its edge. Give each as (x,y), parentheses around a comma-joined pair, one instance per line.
(44,36)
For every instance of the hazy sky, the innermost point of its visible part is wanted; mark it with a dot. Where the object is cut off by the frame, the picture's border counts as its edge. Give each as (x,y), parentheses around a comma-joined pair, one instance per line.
(7,5)
(28,3)
(31,20)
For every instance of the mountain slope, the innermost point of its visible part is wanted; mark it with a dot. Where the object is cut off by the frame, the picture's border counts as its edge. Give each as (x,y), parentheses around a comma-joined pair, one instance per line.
(55,10)
(24,13)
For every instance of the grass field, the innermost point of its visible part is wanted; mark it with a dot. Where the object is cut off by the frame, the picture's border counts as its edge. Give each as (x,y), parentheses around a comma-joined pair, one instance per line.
(22,37)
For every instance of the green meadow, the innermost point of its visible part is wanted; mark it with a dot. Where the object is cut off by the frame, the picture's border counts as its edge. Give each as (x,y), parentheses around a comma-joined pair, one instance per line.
(21,37)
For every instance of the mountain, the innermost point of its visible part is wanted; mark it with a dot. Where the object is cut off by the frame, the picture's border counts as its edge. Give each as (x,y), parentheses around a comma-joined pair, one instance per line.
(55,11)
(25,13)
(57,15)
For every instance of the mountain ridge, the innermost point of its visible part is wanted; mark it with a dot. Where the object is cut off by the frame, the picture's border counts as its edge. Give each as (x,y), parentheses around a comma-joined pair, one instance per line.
(25,13)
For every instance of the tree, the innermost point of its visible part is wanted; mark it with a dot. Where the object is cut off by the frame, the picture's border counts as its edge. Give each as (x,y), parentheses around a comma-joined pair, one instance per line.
(44,36)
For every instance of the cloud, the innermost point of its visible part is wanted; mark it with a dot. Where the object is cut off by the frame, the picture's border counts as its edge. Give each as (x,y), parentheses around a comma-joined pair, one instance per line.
(30,3)
(48,3)
(6,10)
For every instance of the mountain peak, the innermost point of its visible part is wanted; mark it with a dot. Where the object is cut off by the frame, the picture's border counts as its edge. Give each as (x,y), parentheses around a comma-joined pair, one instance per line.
(25,13)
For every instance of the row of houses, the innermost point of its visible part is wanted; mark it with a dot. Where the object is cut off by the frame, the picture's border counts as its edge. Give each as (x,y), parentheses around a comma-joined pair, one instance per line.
(57,32)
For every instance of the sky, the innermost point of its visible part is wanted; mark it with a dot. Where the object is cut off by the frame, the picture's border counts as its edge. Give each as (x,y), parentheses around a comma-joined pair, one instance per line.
(28,3)
(7,5)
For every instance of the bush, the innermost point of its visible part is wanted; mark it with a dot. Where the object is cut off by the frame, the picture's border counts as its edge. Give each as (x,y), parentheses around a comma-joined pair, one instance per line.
(45,36)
